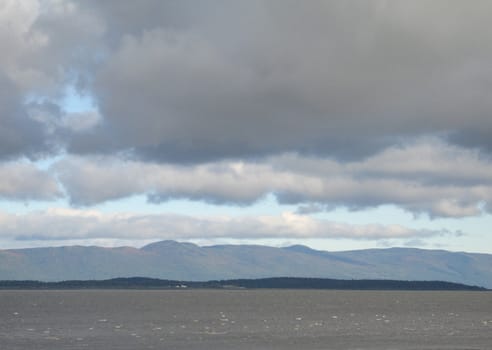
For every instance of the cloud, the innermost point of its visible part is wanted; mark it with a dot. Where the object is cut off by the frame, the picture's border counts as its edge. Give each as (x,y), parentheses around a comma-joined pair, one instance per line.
(426,177)
(72,224)
(24,181)
(184,82)
(35,66)
(181,82)
(19,135)
(18,42)
(59,123)
(323,105)
(338,79)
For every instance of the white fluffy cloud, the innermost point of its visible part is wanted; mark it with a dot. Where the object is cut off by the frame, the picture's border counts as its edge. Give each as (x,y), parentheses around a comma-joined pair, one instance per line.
(24,181)
(72,224)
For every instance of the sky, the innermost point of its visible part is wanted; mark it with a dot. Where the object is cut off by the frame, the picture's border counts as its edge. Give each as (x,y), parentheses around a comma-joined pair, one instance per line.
(335,124)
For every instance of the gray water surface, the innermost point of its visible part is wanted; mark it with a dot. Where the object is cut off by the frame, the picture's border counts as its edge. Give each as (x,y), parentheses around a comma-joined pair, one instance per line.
(244,319)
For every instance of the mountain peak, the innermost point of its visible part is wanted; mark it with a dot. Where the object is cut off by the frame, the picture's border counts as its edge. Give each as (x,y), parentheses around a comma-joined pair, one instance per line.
(168,244)
(300,248)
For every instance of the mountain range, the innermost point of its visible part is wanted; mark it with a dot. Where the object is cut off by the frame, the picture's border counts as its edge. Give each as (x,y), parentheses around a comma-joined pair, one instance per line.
(186,261)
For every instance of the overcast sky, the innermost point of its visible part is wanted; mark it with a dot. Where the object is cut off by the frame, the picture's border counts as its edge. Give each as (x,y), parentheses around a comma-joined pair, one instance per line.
(336,124)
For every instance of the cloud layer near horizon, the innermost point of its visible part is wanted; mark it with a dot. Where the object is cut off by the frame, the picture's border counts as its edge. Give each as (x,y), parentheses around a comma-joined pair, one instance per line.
(58,224)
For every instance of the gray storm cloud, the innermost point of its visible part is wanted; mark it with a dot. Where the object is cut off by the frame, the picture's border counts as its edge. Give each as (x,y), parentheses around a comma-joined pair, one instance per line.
(187,82)
(35,66)
(341,79)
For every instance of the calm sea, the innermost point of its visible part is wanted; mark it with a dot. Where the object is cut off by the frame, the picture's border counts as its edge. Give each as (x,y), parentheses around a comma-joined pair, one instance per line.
(244,319)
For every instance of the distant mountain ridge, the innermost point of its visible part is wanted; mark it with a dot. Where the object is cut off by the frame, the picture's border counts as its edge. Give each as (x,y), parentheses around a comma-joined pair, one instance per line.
(173,260)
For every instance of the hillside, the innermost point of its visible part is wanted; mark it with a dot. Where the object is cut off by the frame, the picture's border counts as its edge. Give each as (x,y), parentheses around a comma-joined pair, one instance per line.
(185,261)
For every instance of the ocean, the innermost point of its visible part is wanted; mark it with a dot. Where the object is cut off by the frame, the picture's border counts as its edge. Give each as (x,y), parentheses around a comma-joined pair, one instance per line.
(244,319)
